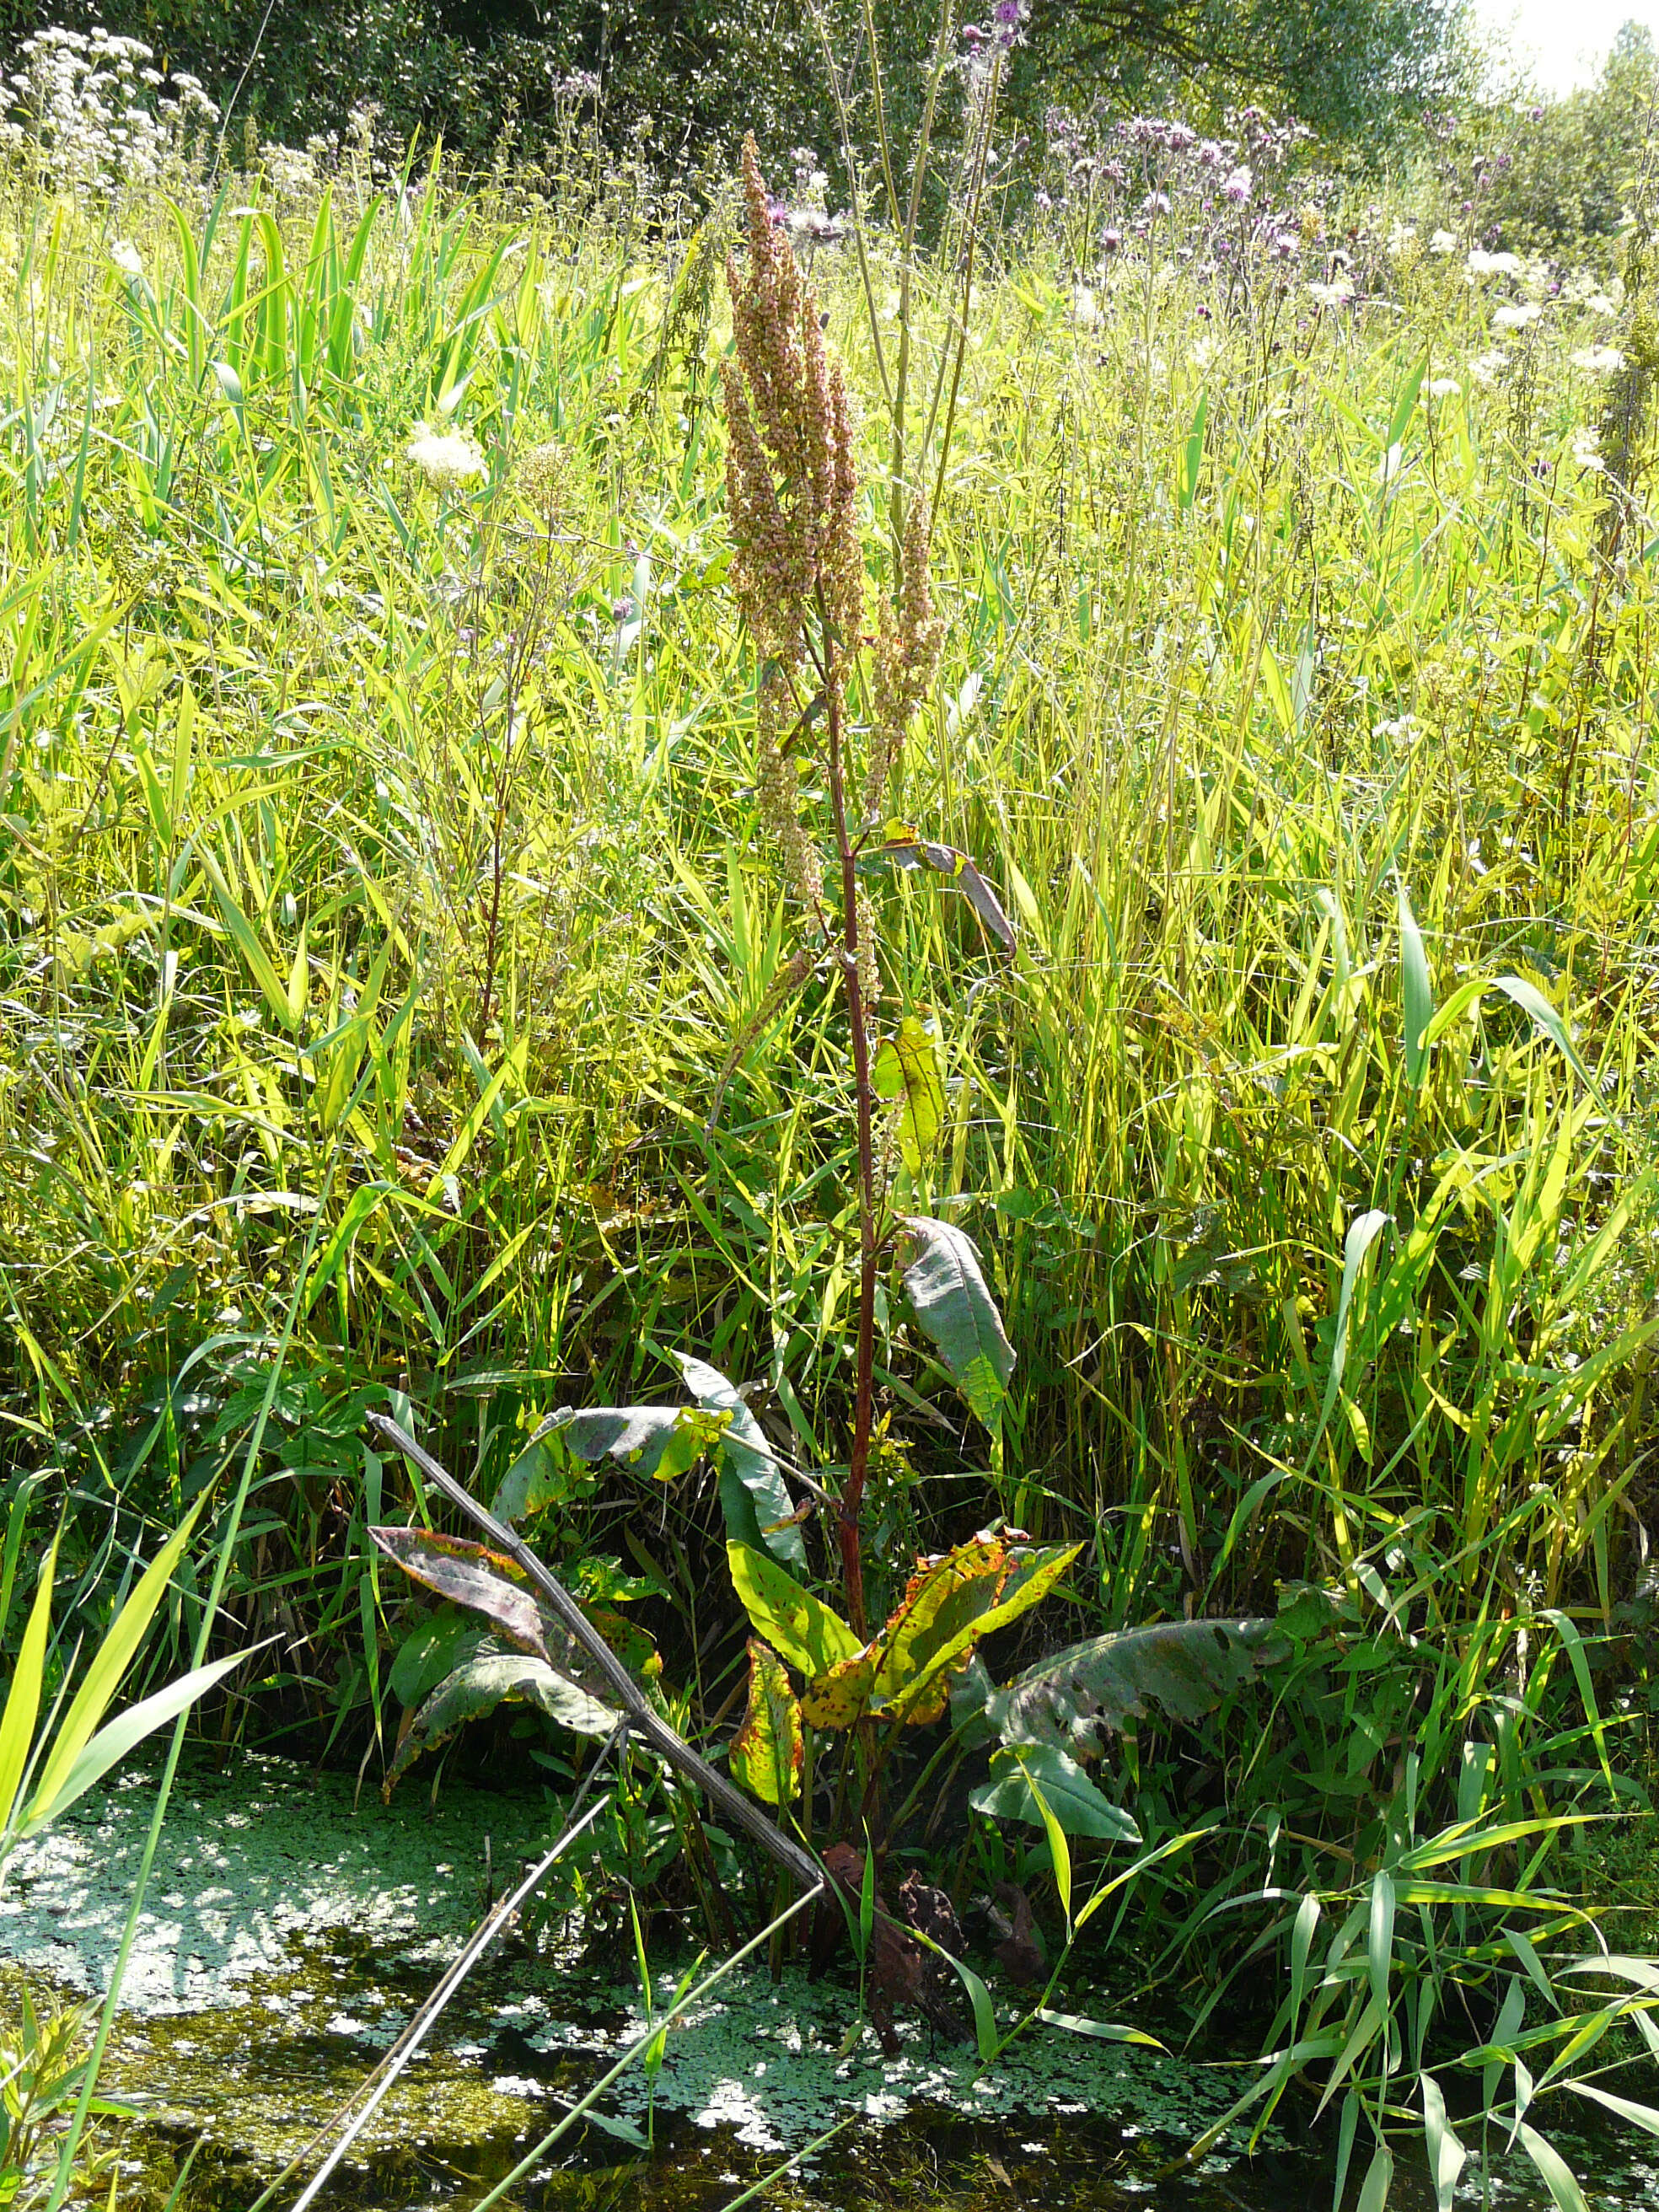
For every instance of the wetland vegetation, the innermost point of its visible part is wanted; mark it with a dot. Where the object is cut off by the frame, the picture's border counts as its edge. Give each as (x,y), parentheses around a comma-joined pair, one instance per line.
(827,1123)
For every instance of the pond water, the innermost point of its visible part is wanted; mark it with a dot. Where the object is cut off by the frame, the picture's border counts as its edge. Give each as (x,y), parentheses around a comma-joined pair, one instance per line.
(291,1930)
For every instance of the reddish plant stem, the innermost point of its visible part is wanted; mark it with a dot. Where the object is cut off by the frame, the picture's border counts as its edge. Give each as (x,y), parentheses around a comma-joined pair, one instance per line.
(858,1464)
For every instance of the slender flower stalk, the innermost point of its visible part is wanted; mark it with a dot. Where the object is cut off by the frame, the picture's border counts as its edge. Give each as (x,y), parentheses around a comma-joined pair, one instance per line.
(797,574)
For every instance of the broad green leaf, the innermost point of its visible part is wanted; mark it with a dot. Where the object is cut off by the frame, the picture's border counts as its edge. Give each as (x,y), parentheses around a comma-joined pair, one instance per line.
(809,1633)
(1447,2155)
(1638,2115)
(1416,991)
(1531,1001)
(469,1574)
(945,1612)
(769,1750)
(1104,2031)
(1302,1936)
(1380,1940)
(1400,421)
(1192,454)
(1019,1773)
(484,1682)
(1559,2176)
(1186,1667)
(109,1663)
(431,1651)
(23,1699)
(952,1301)
(753,1497)
(123,1735)
(658,1441)
(1363,1232)
(1379,2176)
(906,1068)
(985,2018)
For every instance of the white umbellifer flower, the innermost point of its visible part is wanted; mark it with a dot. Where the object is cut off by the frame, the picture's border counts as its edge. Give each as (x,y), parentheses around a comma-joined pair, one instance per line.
(1599,360)
(1587,450)
(1203,352)
(1401,240)
(1481,264)
(1516,318)
(1085,308)
(447,460)
(1335,293)
(1444,387)
(1600,303)
(1487,368)
(127,257)
(1444,241)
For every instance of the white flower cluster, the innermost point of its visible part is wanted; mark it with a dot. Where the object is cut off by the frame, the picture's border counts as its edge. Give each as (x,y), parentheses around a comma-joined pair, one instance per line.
(1588,293)
(1335,293)
(448,461)
(1482,264)
(96,111)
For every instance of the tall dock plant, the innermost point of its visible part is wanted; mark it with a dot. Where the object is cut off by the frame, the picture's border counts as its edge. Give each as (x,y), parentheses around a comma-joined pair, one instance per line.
(798,573)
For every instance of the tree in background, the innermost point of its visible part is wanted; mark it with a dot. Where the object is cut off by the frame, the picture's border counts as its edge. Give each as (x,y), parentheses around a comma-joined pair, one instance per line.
(682,80)
(1562,172)
(1346,68)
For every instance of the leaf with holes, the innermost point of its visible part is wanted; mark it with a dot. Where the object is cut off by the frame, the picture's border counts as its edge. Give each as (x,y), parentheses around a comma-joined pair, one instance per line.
(906,1673)
(837,1699)
(769,1751)
(484,1682)
(1186,1667)
(948,1292)
(946,1611)
(906,1070)
(658,1441)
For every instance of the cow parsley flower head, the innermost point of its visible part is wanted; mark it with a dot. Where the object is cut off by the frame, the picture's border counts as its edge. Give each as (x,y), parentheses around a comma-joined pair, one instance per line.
(1599,360)
(1517,316)
(1442,242)
(1444,387)
(1587,450)
(127,257)
(1335,293)
(447,460)
(1487,368)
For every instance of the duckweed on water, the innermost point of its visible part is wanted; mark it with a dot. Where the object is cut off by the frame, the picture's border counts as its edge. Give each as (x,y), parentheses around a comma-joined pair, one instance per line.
(291,1930)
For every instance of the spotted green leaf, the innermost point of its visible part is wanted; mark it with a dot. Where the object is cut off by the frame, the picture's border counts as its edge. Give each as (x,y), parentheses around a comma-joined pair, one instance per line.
(769,1750)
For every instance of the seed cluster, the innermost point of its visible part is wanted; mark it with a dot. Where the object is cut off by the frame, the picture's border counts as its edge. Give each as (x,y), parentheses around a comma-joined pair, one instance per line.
(798,566)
